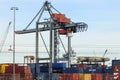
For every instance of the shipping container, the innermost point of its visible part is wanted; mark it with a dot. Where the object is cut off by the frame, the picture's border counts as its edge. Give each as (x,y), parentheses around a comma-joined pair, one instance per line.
(3,68)
(79,65)
(73,70)
(96,77)
(115,62)
(26,76)
(42,76)
(116,68)
(68,76)
(55,76)
(116,75)
(109,70)
(108,77)
(9,76)
(93,70)
(59,65)
(84,76)
(61,18)
(44,70)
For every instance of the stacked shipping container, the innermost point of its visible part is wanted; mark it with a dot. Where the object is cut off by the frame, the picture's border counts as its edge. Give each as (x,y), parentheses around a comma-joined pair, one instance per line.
(21,72)
(60,72)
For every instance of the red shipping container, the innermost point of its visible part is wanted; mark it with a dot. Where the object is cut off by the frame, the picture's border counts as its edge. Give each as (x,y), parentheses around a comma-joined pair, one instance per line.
(109,77)
(69,77)
(24,69)
(97,77)
(9,77)
(116,68)
(26,76)
(119,75)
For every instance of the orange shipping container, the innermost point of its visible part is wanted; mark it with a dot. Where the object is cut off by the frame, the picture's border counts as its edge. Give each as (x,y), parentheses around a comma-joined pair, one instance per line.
(56,15)
(63,20)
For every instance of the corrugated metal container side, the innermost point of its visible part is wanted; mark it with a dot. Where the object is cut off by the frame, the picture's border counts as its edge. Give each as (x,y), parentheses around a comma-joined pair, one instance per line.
(68,76)
(94,65)
(119,75)
(9,76)
(97,77)
(109,70)
(43,65)
(35,68)
(26,76)
(58,70)
(3,68)
(55,76)
(109,77)
(43,76)
(44,70)
(79,65)
(115,62)
(115,75)
(84,76)
(92,70)
(116,68)
(32,66)
(73,70)
(59,65)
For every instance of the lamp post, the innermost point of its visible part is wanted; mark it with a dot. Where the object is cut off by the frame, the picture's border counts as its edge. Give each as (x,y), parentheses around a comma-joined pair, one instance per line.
(14,10)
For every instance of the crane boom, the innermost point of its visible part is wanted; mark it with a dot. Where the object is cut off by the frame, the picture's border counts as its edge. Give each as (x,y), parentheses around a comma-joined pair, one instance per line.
(4,37)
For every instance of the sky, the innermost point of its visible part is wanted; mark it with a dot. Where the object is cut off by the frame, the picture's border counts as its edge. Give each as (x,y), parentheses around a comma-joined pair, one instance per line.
(102,17)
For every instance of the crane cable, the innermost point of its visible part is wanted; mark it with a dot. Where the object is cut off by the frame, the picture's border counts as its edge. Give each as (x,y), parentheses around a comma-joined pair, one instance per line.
(44,44)
(4,37)
(62,43)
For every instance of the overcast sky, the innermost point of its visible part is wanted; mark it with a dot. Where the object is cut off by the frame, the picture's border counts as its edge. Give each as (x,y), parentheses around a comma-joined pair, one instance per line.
(102,17)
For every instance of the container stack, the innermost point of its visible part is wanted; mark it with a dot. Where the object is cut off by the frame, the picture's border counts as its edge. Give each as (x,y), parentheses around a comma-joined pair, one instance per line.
(116,69)
(21,72)
(25,72)
(6,72)
(9,76)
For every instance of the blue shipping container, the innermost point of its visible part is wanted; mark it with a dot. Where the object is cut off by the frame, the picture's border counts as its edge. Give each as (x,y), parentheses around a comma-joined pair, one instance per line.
(73,70)
(44,70)
(59,65)
(115,62)
(109,70)
(93,70)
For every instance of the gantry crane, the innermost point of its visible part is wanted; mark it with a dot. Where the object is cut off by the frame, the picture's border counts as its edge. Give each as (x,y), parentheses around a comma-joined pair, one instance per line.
(57,22)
